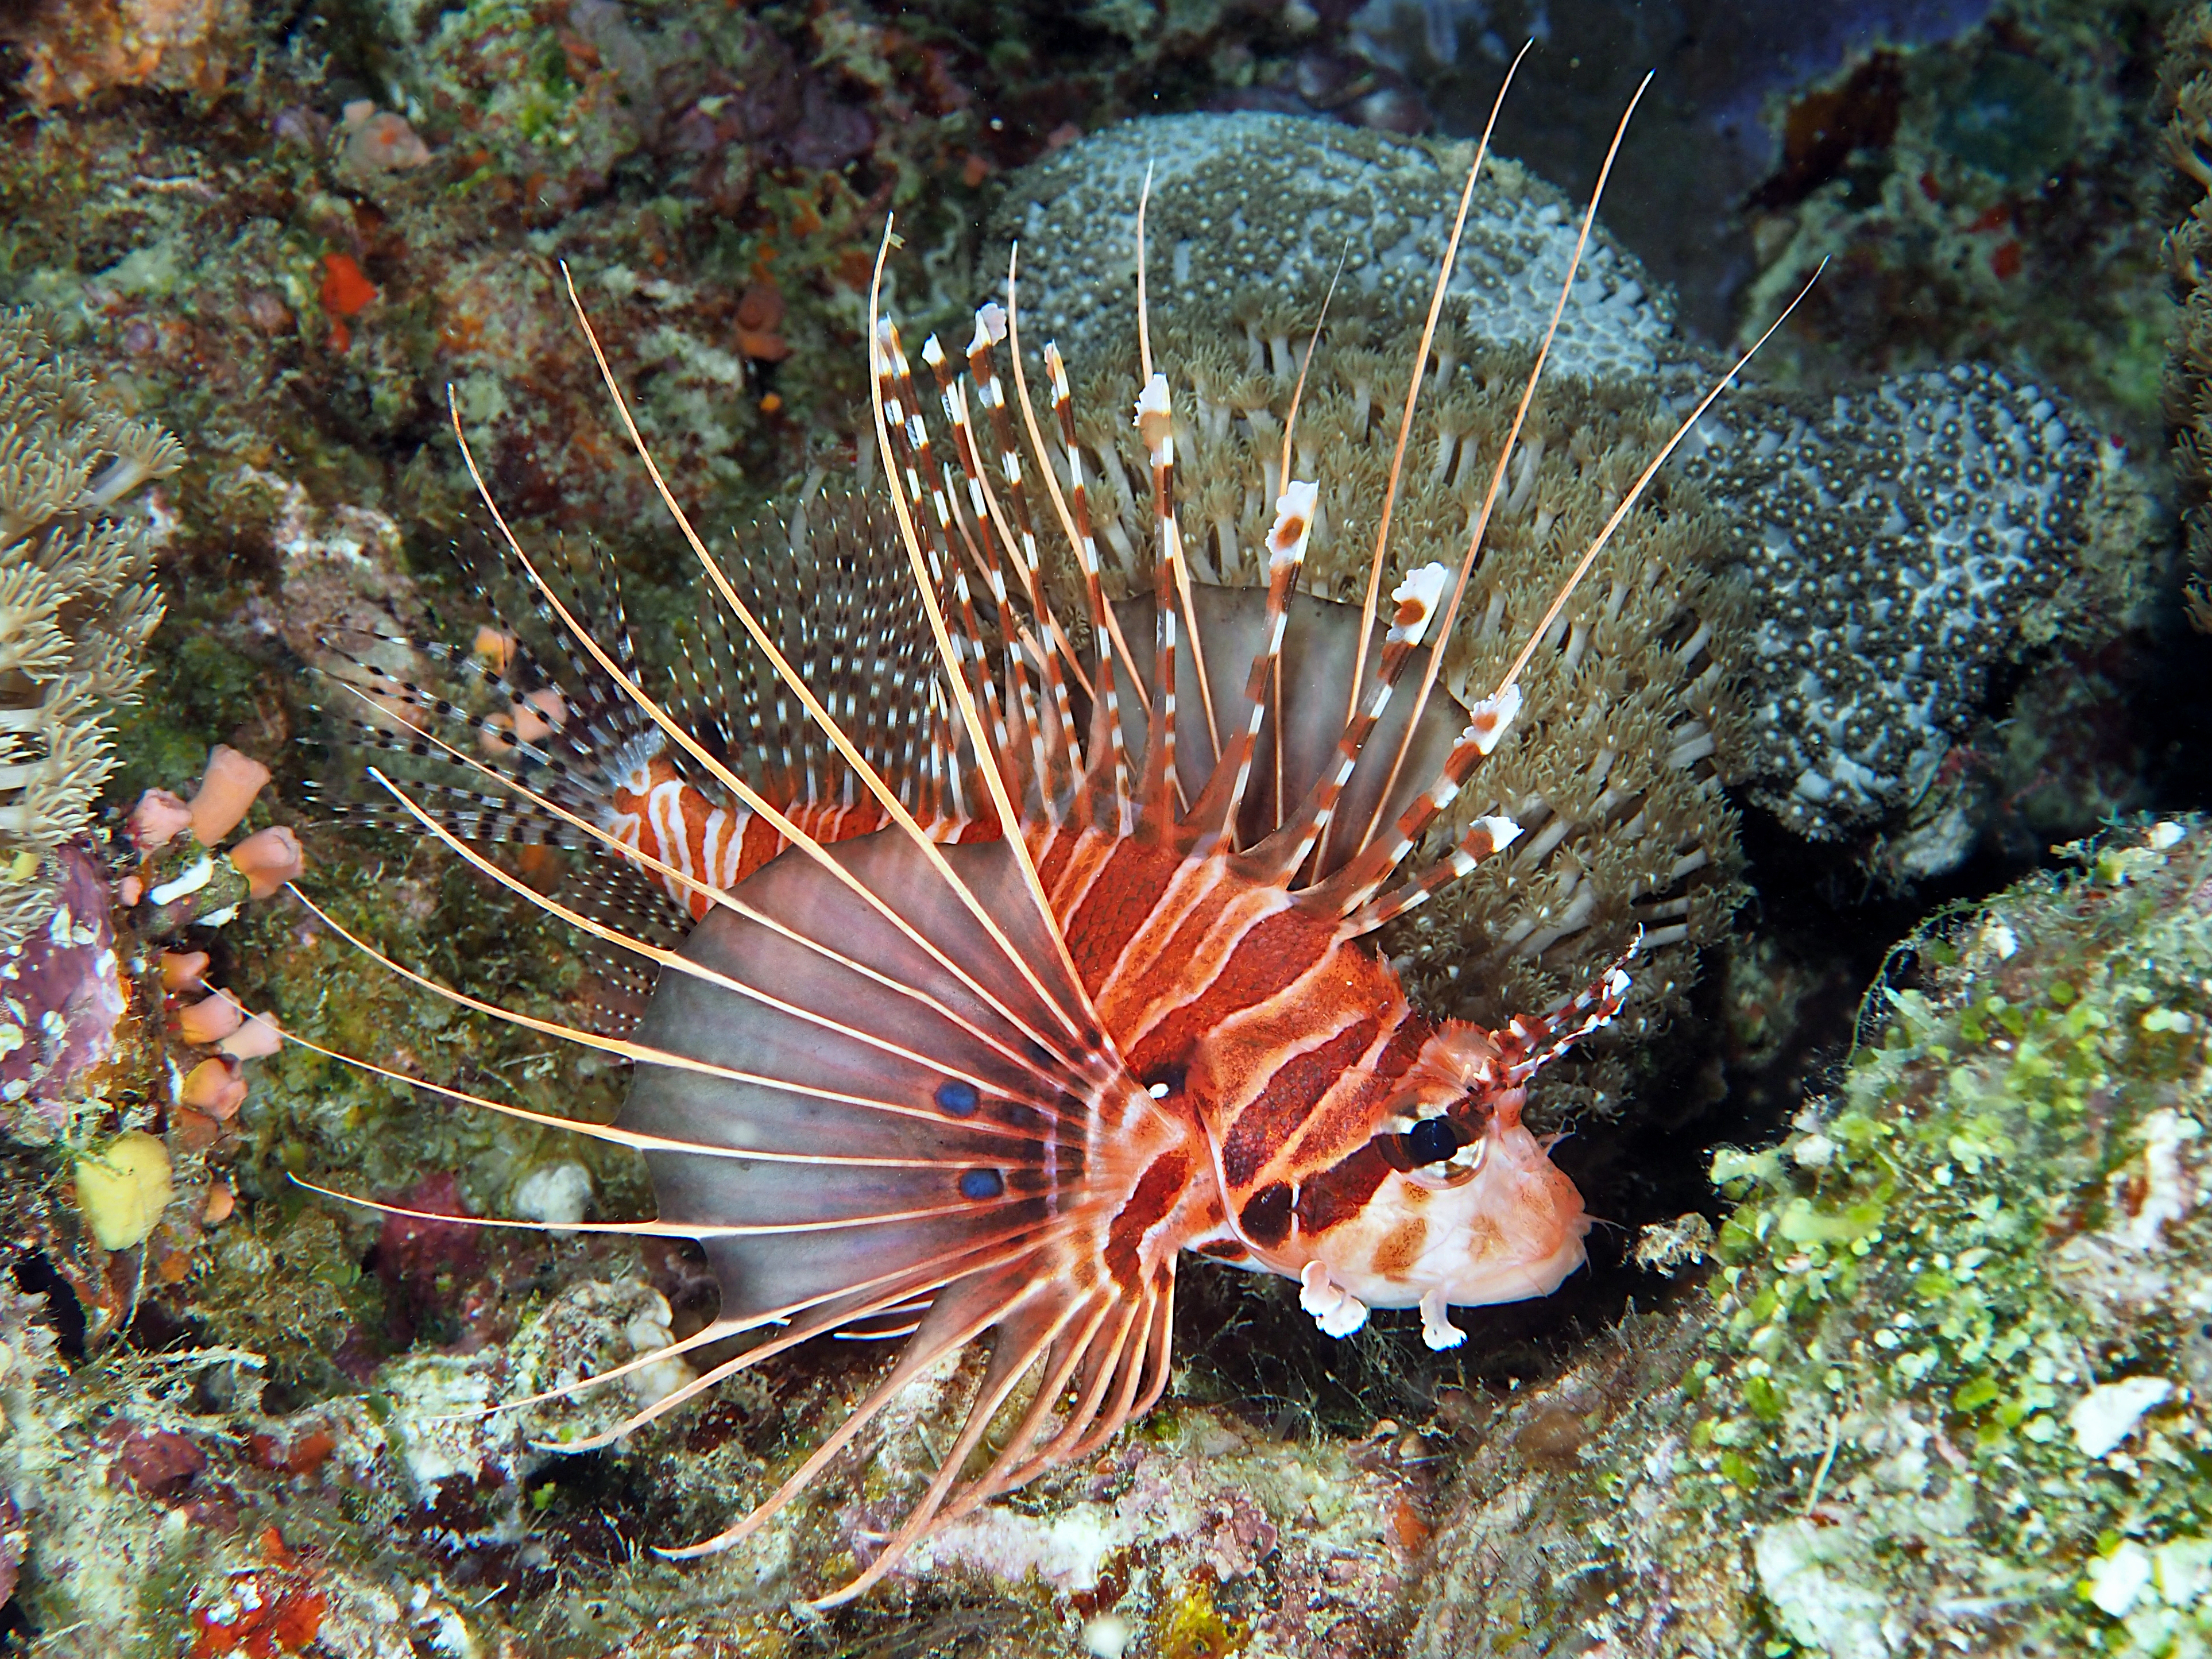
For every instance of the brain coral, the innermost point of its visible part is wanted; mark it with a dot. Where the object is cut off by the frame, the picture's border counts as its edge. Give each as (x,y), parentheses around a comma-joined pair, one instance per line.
(1897,538)
(75,603)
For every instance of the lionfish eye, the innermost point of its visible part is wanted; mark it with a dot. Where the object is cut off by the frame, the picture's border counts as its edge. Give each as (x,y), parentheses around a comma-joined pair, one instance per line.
(1432,1140)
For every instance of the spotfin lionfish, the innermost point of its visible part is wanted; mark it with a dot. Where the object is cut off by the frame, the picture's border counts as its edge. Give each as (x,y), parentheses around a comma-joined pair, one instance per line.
(910,1074)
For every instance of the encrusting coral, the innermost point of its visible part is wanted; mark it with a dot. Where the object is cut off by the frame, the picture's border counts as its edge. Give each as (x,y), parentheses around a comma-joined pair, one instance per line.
(77,604)
(1900,539)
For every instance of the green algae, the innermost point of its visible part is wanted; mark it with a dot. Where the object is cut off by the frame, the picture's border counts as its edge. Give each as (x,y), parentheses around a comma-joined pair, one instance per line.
(1941,1389)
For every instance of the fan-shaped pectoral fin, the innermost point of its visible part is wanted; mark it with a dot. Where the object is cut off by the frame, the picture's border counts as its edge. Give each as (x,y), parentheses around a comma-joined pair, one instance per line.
(895,1031)
(978,1155)
(1040,1307)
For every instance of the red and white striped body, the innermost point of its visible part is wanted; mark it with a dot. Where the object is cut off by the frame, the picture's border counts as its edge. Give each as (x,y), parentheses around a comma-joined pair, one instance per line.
(655,810)
(1287,1043)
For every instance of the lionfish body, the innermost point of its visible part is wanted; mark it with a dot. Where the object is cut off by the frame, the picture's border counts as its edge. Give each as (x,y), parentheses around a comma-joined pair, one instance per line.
(910,1074)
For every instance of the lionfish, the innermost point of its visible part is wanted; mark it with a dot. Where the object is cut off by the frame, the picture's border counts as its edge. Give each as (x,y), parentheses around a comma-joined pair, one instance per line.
(1014,972)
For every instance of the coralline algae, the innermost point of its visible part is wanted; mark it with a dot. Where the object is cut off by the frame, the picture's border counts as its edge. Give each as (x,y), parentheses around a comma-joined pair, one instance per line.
(62,991)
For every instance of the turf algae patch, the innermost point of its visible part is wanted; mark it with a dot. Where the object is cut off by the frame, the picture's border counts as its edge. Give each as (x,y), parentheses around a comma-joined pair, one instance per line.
(1943,1390)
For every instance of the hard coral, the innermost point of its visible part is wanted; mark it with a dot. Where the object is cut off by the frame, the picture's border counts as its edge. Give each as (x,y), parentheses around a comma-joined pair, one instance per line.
(1250,203)
(1995,501)
(1899,537)
(75,603)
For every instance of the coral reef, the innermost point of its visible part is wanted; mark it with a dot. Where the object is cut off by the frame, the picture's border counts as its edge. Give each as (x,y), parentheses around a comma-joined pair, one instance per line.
(75,605)
(293,269)
(166,1506)
(1202,1532)
(1945,1388)
(1819,527)
(2187,90)
(1904,540)
(1941,1387)
(123,1070)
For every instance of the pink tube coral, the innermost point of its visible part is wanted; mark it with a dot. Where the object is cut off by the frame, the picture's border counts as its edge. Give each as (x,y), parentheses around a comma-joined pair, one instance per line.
(209,1021)
(158,819)
(231,781)
(268,859)
(256,1039)
(214,1087)
(182,969)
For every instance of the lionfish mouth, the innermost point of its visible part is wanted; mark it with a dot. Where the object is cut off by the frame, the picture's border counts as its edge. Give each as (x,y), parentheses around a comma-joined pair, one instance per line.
(996,973)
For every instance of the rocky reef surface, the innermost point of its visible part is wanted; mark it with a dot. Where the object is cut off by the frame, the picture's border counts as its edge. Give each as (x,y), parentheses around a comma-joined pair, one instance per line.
(1944,1390)
(1938,1387)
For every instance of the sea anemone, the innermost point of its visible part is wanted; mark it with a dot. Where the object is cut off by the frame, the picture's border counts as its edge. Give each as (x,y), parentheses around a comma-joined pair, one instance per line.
(77,604)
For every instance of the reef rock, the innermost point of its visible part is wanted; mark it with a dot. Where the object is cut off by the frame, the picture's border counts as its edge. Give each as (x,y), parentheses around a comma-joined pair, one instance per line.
(79,48)
(1945,1391)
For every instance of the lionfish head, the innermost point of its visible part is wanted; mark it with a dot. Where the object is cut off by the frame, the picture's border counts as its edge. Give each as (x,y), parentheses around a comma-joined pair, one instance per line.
(1473,1209)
